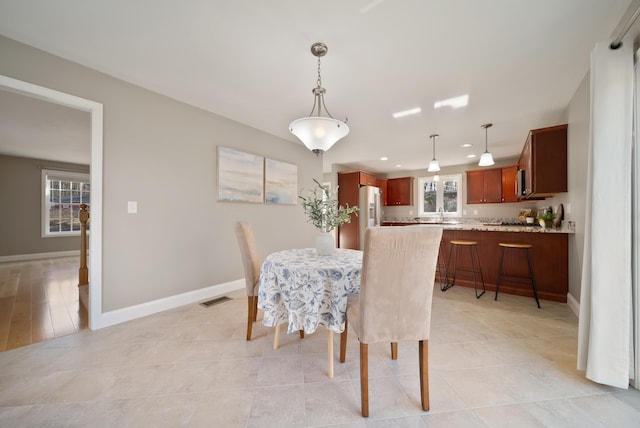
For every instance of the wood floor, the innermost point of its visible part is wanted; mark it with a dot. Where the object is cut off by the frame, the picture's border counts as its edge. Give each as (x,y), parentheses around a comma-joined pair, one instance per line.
(39,301)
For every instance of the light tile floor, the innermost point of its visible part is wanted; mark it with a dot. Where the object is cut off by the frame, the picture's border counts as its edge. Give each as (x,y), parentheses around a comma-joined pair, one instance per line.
(492,364)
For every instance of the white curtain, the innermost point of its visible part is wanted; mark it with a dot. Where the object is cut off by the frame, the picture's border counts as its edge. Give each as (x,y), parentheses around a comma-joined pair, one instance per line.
(605,329)
(635,222)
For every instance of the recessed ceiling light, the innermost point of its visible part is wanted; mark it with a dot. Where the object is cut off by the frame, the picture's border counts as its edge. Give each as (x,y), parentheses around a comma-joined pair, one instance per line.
(455,102)
(471,156)
(467,145)
(398,166)
(383,158)
(409,112)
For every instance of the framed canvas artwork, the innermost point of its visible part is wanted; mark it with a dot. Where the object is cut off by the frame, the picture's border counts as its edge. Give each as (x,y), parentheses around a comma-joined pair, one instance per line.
(281,182)
(240,176)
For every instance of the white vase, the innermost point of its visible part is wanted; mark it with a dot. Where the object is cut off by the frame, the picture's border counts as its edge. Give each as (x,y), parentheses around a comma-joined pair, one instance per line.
(325,244)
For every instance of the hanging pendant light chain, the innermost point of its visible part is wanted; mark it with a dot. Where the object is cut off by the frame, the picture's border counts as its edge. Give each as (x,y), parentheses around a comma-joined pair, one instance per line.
(434,165)
(434,146)
(486,139)
(320,95)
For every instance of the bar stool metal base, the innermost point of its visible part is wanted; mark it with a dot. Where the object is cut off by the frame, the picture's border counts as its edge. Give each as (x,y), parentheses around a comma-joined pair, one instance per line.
(473,271)
(441,268)
(517,278)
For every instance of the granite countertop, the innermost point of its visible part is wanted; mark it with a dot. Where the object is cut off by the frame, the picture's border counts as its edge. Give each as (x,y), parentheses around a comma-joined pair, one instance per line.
(488,226)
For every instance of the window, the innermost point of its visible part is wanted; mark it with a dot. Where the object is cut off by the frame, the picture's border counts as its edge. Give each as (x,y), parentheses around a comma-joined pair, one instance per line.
(445,193)
(63,192)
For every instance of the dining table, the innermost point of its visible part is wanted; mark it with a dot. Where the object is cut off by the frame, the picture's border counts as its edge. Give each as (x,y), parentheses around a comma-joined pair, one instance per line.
(306,290)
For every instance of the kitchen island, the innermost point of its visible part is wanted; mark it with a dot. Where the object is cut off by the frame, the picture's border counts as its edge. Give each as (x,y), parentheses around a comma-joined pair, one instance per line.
(549,256)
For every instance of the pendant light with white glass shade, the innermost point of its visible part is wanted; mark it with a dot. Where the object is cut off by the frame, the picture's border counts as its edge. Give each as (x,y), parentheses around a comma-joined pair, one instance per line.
(319,133)
(434,165)
(486,159)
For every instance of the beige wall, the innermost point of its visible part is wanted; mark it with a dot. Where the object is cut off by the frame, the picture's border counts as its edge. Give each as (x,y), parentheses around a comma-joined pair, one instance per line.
(578,143)
(162,154)
(20,216)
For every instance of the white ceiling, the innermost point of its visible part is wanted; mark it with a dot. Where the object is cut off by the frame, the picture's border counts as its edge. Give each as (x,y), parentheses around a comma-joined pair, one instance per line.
(520,61)
(34,128)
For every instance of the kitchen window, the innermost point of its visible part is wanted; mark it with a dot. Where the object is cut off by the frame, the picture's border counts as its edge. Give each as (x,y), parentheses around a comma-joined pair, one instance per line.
(63,192)
(445,193)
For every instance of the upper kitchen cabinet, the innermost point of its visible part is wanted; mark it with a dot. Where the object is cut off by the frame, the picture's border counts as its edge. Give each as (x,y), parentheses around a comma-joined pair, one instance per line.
(509,186)
(367,179)
(544,162)
(399,191)
(484,186)
(349,186)
(382,184)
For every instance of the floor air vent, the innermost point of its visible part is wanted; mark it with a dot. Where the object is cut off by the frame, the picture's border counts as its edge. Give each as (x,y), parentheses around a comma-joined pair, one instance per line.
(216,301)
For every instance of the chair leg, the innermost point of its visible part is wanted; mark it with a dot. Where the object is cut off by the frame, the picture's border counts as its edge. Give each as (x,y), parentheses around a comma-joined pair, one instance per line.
(255,308)
(343,343)
(533,280)
(364,379)
(276,337)
(447,285)
(484,289)
(499,273)
(252,301)
(330,352)
(423,353)
(394,350)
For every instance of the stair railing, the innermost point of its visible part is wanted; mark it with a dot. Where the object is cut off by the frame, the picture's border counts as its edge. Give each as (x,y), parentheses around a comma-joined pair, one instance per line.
(83,272)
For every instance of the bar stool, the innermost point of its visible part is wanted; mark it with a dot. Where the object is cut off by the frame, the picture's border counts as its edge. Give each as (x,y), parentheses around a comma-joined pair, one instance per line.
(441,267)
(516,277)
(471,245)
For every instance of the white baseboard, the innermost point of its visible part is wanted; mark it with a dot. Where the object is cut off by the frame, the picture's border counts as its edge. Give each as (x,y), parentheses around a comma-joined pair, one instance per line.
(118,316)
(39,256)
(574,305)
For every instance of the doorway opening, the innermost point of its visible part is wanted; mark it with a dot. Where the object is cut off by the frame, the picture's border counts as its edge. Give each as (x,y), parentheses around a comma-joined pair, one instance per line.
(95,111)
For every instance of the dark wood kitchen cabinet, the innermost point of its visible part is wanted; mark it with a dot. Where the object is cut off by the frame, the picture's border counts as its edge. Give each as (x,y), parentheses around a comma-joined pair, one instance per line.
(484,186)
(367,179)
(399,191)
(549,258)
(544,162)
(381,183)
(509,188)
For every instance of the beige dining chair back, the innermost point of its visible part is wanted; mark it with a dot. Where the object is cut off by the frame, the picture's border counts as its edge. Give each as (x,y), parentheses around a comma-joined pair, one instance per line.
(396,290)
(251,262)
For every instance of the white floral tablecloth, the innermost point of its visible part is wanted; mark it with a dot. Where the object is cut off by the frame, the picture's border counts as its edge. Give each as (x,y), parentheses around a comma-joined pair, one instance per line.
(306,290)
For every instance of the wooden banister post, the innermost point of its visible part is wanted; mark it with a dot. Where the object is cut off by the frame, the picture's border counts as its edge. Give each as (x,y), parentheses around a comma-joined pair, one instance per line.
(83,272)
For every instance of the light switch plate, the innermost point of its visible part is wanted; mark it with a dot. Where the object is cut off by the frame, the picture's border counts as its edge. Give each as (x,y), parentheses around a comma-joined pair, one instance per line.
(132,207)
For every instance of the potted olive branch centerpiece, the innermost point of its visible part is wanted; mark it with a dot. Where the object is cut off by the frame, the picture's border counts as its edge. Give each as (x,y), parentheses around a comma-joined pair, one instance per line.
(322,210)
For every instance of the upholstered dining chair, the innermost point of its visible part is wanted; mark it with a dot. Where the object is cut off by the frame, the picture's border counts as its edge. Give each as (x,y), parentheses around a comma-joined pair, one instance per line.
(251,263)
(394,304)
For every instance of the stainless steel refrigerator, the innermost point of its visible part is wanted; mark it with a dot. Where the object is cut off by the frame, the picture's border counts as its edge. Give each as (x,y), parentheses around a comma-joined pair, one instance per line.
(370,214)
